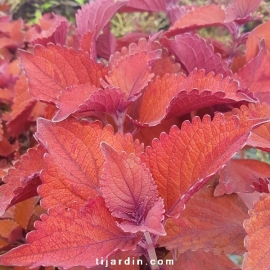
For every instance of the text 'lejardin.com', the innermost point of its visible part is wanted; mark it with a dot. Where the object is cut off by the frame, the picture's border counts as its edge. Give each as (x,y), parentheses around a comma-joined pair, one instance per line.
(131,261)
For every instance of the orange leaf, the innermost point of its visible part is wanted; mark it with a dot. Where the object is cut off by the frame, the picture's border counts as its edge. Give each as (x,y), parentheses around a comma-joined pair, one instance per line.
(183,161)
(207,217)
(6,227)
(130,192)
(257,240)
(24,210)
(78,237)
(260,136)
(53,69)
(175,95)
(74,164)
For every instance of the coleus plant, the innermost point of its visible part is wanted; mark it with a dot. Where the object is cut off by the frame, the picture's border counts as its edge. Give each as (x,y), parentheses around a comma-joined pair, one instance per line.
(139,151)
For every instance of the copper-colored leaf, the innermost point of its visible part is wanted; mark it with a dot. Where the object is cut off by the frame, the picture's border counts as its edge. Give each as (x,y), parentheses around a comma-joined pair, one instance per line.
(257,241)
(21,181)
(53,69)
(132,72)
(74,164)
(193,52)
(6,227)
(24,210)
(239,174)
(175,95)
(208,222)
(260,136)
(70,100)
(182,161)
(79,237)
(201,260)
(130,192)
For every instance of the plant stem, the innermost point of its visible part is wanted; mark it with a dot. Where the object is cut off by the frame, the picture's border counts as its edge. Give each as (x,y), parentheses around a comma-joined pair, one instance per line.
(151,251)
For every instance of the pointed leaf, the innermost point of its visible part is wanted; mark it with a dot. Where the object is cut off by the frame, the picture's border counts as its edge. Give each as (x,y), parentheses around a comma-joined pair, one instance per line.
(207,217)
(51,70)
(70,100)
(58,36)
(108,101)
(254,38)
(199,260)
(127,185)
(257,241)
(152,222)
(132,72)
(260,136)
(193,52)
(79,238)
(175,95)
(146,5)
(239,174)
(242,8)
(74,164)
(183,161)
(22,107)
(21,181)
(210,15)
(95,15)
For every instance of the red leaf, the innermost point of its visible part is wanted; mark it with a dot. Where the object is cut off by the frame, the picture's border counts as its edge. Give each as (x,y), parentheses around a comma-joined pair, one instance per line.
(20,179)
(257,240)
(22,107)
(210,15)
(53,69)
(130,191)
(152,222)
(199,260)
(132,72)
(263,185)
(193,52)
(254,38)
(48,25)
(260,136)
(95,15)
(165,64)
(74,164)
(70,100)
(108,101)
(78,238)
(257,82)
(241,9)
(88,44)
(145,5)
(106,43)
(239,174)
(207,217)
(57,37)
(183,161)
(175,95)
